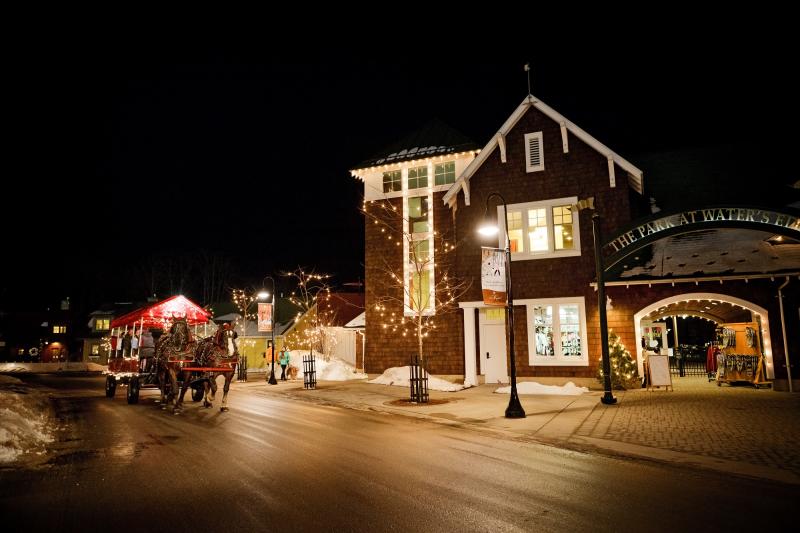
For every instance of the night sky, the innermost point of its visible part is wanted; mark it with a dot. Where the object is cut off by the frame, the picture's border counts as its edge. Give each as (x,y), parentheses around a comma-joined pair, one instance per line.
(129,151)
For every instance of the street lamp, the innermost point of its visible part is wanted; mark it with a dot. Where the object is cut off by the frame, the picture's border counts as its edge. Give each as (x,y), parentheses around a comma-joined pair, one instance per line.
(263,295)
(514,409)
(608,397)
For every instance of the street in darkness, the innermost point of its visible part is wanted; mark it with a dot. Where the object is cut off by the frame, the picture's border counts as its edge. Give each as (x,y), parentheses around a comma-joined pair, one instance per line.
(276,464)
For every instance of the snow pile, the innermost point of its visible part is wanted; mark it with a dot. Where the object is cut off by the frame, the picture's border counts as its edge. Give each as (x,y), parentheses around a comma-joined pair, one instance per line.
(52,367)
(531,387)
(24,421)
(332,370)
(400,377)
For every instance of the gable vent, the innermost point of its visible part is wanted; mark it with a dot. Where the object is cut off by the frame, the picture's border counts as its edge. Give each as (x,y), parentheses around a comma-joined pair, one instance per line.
(534,160)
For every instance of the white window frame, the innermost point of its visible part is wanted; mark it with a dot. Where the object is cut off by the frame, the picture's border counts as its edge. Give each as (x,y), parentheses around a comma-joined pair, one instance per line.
(557,359)
(528,166)
(408,270)
(551,252)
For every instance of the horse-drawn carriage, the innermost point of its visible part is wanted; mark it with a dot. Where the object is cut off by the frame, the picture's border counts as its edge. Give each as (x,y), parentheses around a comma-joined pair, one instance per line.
(173,361)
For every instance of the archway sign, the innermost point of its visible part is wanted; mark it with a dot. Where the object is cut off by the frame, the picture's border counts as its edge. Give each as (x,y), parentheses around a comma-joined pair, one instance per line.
(645,231)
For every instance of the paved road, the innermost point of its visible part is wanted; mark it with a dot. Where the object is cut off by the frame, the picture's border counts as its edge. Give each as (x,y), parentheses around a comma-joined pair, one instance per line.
(272,464)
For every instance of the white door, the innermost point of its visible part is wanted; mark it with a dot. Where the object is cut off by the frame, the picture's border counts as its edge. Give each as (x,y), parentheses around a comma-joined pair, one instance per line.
(493,345)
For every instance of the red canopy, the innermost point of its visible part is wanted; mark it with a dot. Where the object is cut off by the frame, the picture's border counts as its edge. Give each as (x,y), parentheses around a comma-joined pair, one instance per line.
(160,314)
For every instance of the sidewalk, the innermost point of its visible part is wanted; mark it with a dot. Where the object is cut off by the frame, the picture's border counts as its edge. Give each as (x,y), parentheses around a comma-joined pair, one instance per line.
(734,430)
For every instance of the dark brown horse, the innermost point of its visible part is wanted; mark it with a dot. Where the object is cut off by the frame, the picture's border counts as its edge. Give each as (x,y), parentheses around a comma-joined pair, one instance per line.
(219,351)
(177,345)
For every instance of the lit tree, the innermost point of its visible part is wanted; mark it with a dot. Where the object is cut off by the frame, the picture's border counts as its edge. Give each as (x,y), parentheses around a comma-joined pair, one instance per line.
(421,287)
(312,289)
(244,300)
(624,373)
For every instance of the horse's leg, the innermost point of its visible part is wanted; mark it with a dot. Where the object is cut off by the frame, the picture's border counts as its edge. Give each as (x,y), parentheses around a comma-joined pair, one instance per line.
(184,385)
(212,386)
(207,396)
(228,379)
(172,397)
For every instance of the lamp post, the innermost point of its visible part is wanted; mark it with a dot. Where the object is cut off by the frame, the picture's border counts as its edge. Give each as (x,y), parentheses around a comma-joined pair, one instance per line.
(262,295)
(608,397)
(514,409)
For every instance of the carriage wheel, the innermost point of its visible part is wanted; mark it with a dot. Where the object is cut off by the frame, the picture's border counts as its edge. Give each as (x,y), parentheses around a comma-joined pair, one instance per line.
(111,386)
(197,394)
(133,390)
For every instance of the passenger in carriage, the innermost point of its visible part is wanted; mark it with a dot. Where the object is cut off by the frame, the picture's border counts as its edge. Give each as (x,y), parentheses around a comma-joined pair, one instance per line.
(126,344)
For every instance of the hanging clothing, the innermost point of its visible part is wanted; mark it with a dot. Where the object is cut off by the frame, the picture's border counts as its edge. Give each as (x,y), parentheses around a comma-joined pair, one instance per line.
(711,358)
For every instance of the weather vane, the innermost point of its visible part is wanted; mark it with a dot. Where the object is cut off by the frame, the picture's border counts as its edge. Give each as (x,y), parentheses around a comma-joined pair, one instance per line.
(528,70)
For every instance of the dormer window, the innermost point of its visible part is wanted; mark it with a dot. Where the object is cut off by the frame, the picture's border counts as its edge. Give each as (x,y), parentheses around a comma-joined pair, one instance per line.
(534,153)
(102,324)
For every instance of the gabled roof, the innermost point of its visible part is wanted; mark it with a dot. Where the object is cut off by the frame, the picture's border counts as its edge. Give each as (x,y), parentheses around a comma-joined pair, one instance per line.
(433,139)
(634,174)
(157,314)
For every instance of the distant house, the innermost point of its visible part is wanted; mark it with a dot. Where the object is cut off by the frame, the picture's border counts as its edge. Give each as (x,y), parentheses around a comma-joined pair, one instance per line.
(39,336)
(337,335)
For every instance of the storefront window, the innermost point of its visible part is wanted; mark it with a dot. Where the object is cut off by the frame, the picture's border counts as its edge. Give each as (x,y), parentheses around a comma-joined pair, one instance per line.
(543,328)
(556,331)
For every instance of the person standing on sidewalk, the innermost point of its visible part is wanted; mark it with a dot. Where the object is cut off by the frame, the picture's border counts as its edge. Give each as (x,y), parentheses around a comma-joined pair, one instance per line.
(283,360)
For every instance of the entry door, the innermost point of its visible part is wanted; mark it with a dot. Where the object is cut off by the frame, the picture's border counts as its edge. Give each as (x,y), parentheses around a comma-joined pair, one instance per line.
(493,345)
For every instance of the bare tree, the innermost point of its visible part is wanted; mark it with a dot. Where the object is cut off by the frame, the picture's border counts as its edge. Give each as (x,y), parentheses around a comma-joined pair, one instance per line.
(413,292)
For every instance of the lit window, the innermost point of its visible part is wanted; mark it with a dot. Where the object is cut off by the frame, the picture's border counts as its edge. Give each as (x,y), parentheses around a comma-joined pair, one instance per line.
(420,290)
(95,349)
(515,235)
(102,324)
(537,230)
(562,227)
(444,173)
(392,181)
(545,229)
(417,177)
(557,331)
(418,214)
(419,254)
(59,329)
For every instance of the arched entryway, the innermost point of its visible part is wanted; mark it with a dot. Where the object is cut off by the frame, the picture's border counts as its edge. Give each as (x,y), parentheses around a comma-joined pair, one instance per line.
(706,297)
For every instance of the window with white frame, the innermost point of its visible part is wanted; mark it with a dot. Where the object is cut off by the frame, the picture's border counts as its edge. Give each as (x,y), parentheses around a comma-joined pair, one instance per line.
(444,173)
(557,331)
(417,177)
(545,229)
(534,154)
(419,253)
(392,181)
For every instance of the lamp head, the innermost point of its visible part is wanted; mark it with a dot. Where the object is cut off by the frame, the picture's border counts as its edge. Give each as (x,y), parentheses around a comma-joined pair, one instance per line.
(488,229)
(263,295)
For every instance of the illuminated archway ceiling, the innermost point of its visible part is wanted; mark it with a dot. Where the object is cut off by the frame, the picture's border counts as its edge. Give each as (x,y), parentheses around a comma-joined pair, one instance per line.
(715,310)
(723,252)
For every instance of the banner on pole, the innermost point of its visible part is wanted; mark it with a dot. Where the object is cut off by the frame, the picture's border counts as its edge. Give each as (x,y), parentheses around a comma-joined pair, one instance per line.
(493,276)
(264,317)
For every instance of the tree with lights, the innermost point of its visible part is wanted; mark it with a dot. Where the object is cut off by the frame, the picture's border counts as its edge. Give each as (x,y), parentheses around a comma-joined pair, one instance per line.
(244,300)
(311,292)
(624,373)
(416,290)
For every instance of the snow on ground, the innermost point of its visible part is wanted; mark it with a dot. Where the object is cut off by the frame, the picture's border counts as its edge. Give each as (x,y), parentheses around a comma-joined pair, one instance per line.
(400,377)
(332,370)
(52,367)
(25,423)
(531,387)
